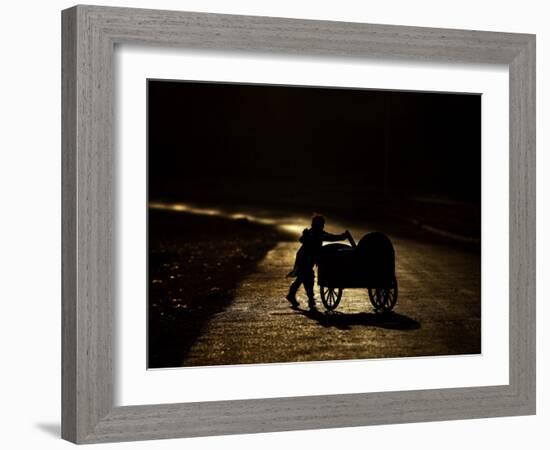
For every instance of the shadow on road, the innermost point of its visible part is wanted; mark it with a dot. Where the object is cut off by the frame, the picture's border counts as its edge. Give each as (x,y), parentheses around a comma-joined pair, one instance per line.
(343,321)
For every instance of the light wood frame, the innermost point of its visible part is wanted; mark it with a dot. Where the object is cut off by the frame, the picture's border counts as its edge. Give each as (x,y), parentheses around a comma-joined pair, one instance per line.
(89,36)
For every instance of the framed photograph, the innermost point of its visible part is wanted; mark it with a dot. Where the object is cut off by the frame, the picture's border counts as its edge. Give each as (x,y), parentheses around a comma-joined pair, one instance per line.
(268,222)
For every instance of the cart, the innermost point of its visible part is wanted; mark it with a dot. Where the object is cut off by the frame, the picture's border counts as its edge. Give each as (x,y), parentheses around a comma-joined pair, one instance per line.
(369,265)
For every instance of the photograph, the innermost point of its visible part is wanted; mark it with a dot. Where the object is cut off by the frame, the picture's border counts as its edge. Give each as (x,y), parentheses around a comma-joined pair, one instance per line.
(295,224)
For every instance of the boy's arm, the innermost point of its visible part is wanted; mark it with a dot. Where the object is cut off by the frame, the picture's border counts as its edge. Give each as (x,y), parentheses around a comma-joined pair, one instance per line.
(329,237)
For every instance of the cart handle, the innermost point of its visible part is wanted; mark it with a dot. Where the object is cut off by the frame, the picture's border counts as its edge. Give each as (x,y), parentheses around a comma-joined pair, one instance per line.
(350,239)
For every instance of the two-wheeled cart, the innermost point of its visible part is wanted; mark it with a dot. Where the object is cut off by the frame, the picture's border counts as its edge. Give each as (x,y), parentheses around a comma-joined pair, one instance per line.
(368,265)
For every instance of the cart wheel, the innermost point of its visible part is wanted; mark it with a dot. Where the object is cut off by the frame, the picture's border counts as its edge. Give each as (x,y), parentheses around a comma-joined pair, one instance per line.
(384,298)
(331,297)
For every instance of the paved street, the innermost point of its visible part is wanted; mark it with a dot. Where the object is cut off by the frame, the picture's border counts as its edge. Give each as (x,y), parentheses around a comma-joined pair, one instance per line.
(438,313)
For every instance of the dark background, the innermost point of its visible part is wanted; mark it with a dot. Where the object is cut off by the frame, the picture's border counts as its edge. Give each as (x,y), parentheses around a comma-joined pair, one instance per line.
(314,148)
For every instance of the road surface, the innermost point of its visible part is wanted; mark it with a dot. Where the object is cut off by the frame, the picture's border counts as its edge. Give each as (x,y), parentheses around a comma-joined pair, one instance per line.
(438,313)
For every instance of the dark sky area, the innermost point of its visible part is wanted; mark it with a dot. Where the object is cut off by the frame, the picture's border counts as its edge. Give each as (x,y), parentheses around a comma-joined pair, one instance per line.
(282,145)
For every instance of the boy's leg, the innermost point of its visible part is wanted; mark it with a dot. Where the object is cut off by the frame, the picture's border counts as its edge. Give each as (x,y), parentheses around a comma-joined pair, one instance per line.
(308,286)
(291,296)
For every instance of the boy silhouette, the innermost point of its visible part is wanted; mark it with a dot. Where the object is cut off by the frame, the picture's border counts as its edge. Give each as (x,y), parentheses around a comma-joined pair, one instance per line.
(312,240)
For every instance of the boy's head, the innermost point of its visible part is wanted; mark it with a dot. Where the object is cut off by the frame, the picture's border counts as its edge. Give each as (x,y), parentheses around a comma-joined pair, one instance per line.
(317,222)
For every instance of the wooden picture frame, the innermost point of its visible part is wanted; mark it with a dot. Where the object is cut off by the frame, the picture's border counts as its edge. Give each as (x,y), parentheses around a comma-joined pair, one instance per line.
(89,37)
